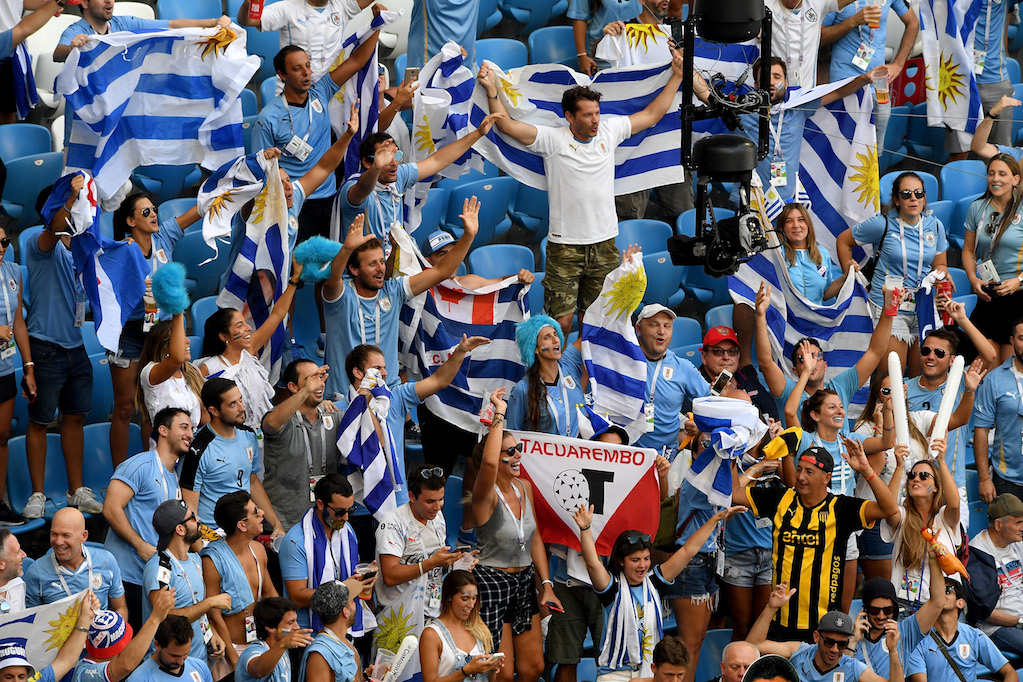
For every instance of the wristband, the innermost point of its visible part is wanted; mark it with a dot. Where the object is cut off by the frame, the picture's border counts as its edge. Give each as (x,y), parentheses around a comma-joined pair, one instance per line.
(544,582)
(586,528)
(298,285)
(81,629)
(580,54)
(872,475)
(28,364)
(420,564)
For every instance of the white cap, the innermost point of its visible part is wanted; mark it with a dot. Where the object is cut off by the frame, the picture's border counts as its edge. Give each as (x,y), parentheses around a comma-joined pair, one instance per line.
(652,309)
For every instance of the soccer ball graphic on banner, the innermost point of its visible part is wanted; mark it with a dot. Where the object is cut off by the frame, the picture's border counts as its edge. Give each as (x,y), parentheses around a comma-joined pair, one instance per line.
(571,489)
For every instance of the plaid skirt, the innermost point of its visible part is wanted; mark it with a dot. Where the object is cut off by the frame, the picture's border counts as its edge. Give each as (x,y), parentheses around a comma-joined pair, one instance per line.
(506,598)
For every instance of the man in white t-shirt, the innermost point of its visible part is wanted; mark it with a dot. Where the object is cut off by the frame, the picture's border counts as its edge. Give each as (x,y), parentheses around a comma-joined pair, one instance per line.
(995,591)
(12,587)
(580,168)
(796,36)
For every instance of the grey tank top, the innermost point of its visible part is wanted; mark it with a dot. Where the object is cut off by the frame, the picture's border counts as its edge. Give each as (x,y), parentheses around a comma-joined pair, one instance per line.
(498,538)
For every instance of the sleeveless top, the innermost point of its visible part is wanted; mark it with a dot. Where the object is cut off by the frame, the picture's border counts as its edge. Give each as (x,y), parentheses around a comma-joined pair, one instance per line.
(253,381)
(500,542)
(451,657)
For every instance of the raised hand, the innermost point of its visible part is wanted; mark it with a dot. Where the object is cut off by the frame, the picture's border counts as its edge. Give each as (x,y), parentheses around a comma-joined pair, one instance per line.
(780,595)
(763,300)
(470,215)
(728,513)
(487,79)
(497,398)
(353,118)
(470,343)
(583,516)
(356,236)
(488,123)
(855,455)
(974,374)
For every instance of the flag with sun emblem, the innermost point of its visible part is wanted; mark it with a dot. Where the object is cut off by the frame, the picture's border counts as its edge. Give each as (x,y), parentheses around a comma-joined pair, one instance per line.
(39,631)
(614,361)
(142,98)
(947,28)
(637,44)
(261,264)
(226,191)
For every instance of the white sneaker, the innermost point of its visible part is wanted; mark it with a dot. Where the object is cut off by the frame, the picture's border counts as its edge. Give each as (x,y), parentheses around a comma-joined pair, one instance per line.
(85,501)
(35,507)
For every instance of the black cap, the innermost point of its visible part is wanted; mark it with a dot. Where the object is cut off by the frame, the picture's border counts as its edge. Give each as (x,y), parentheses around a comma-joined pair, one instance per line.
(836,621)
(166,518)
(819,457)
(880,587)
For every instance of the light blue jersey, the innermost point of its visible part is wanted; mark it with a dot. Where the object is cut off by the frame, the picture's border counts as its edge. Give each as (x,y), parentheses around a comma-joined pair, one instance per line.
(45,579)
(186,579)
(152,485)
(910,637)
(807,670)
(560,416)
(920,398)
(352,320)
(810,279)
(216,466)
(969,647)
(88,670)
(281,671)
(435,22)
(845,385)
(277,124)
(844,49)
(902,249)
(670,381)
(607,12)
(988,42)
(999,402)
(338,655)
(56,292)
(383,207)
(10,281)
(195,671)
(785,145)
(1008,253)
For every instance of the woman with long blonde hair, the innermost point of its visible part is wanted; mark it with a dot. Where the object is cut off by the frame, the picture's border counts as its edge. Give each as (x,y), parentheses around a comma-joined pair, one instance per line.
(167,378)
(458,645)
(810,268)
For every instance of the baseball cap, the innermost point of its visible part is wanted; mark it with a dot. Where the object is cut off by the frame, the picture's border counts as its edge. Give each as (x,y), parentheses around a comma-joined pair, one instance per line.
(820,457)
(166,518)
(835,621)
(437,240)
(108,635)
(12,653)
(716,335)
(1005,504)
(652,309)
(880,587)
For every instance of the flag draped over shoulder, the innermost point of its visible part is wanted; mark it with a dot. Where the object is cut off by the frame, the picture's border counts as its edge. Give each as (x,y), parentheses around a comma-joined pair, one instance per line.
(373,468)
(614,361)
(155,97)
(948,28)
(429,332)
(260,270)
(40,630)
(532,95)
(112,274)
(364,86)
(225,192)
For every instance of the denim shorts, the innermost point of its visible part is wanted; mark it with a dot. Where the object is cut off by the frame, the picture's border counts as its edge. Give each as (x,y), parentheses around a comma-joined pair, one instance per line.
(696,580)
(749,568)
(63,381)
(872,547)
(129,346)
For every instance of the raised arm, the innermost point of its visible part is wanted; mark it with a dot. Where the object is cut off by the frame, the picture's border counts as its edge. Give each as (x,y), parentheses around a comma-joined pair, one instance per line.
(177,354)
(972,377)
(448,266)
(876,351)
(445,156)
(33,22)
(927,615)
(656,110)
(980,146)
(773,376)
(124,663)
(355,61)
(947,483)
(885,504)
(220,22)
(758,633)
(446,373)
(599,577)
(355,238)
(334,155)
(280,308)
(276,418)
(483,499)
(809,353)
(57,229)
(522,132)
(677,562)
(71,650)
(986,349)
(852,86)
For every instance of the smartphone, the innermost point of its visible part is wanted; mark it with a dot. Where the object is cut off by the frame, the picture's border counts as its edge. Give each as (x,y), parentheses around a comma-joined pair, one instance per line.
(554,607)
(369,575)
(721,382)
(497,656)
(411,74)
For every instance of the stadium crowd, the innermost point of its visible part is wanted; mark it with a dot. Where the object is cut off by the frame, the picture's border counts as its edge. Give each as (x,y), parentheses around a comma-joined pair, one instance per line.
(230,541)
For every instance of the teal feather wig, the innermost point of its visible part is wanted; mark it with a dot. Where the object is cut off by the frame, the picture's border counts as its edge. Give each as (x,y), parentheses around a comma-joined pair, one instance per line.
(527,331)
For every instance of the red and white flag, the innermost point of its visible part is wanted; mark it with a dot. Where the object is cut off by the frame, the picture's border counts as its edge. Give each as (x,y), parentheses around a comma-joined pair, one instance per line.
(618,480)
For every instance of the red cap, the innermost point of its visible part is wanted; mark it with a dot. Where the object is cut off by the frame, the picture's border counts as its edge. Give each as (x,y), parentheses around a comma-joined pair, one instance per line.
(716,335)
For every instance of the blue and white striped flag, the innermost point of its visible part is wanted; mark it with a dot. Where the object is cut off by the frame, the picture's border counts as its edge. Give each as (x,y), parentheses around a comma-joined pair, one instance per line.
(948,28)
(429,332)
(373,470)
(614,361)
(533,95)
(37,634)
(734,428)
(260,270)
(25,94)
(113,274)
(155,97)
(364,86)
(225,192)
(735,63)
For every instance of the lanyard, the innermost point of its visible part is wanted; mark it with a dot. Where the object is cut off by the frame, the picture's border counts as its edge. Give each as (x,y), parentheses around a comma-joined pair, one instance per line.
(657,373)
(777,134)
(859,27)
(440,539)
(987,24)
(308,443)
(259,576)
(902,244)
(1019,387)
(309,106)
(802,36)
(520,527)
(198,568)
(376,319)
(57,570)
(7,307)
(163,479)
(396,214)
(553,409)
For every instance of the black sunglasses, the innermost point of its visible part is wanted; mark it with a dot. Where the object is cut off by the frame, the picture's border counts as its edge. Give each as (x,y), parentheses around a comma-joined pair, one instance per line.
(938,352)
(819,355)
(513,449)
(924,475)
(637,540)
(829,643)
(949,589)
(5,242)
(907,193)
(341,512)
(886,391)
(146,211)
(435,472)
(878,610)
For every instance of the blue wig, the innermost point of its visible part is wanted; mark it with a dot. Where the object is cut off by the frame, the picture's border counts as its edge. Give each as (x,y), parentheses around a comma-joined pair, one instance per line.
(315,254)
(169,288)
(527,331)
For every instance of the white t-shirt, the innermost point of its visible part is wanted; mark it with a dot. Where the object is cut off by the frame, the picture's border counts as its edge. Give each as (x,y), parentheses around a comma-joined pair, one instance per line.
(175,392)
(911,583)
(318,31)
(10,15)
(580,180)
(796,38)
(400,534)
(1009,568)
(14,593)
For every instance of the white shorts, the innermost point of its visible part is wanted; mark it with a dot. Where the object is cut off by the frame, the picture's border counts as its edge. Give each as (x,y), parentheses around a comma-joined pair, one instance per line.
(904,326)
(618,676)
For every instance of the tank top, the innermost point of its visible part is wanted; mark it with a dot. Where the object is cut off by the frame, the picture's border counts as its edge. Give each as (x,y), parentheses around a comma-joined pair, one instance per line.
(499,539)
(451,657)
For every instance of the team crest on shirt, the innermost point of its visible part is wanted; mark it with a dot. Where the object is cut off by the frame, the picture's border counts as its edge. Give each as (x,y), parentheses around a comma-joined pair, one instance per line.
(1016,219)
(929,238)
(603,147)
(328,422)
(822,516)
(838,676)
(335,18)
(385,304)
(569,382)
(250,453)
(96,582)
(161,256)
(667,373)
(317,107)
(196,676)
(964,650)
(13,284)
(811,16)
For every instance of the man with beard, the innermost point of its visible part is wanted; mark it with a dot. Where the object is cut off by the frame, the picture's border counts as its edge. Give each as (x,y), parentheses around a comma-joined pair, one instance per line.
(171,661)
(1000,401)
(224,456)
(139,485)
(112,650)
(781,166)
(173,565)
(12,587)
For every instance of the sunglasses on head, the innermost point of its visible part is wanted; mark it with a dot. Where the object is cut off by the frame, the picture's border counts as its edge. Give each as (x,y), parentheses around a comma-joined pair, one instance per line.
(819,355)
(513,449)
(938,352)
(923,475)
(829,643)
(637,540)
(907,193)
(148,210)
(435,472)
(878,610)
(720,352)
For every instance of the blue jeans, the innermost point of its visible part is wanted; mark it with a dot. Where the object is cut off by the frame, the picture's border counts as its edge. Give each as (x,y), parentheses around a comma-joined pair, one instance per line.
(1008,640)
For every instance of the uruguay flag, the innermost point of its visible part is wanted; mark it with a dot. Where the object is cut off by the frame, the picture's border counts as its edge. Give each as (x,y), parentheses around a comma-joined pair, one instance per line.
(225,192)
(113,274)
(149,97)
(948,28)
(373,469)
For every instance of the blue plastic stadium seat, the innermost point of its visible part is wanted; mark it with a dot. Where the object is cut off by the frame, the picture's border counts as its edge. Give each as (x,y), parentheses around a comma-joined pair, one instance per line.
(431,214)
(26,178)
(718,316)
(943,211)
(650,235)
(956,228)
(690,353)
(960,280)
(663,278)
(531,211)
(710,653)
(536,294)
(686,223)
(552,45)
(55,484)
(165,182)
(505,52)
(710,291)
(248,128)
(1012,66)
(894,137)
(490,170)
(495,195)
(500,260)
(960,179)
(267,90)
(453,507)
(923,140)
(188,9)
(201,311)
(19,486)
(250,107)
(175,208)
(102,390)
(533,14)
(969,302)
(685,331)
(23,139)
(488,16)
(265,46)
(97,453)
(190,251)
(930,184)
(92,344)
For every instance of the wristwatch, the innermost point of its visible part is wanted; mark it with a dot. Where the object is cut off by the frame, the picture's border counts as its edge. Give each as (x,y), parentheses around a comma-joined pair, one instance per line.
(1019,623)
(298,285)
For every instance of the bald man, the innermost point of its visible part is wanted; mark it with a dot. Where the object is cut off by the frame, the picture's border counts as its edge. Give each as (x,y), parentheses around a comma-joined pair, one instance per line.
(736,657)
(70,567)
